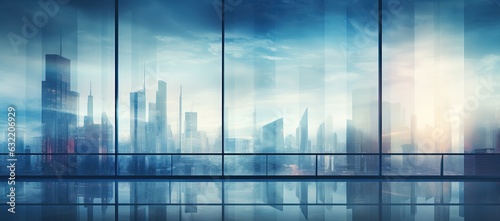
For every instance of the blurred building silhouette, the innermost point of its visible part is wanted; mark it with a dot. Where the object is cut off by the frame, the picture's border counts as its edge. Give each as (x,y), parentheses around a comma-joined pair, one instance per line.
(93,139)
(326,142)
(90,191)
(93,143)
(59,127)
(89,119)
(272,139)
(474,193)
(191,140)
(161,118)
(59,116)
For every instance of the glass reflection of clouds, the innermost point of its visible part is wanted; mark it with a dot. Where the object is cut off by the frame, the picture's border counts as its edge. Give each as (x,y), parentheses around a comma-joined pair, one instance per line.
(230,112)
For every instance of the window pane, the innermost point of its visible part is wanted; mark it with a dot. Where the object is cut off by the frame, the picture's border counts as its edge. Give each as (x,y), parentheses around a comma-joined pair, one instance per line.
(440,65)
(300,78)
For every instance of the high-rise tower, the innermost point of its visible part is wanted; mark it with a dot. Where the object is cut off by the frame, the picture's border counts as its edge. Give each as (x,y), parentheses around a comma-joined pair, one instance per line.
(59,128)
(59,114)
(180,120)
(161,116)
(89,119)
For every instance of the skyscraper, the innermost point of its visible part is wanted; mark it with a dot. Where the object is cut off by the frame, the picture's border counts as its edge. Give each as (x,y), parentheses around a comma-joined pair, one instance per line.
(303,161)
(89,119)
(161,117)
(361,137)
(364,120)
(303,136)
(191,123)
(151,141)
(59,115)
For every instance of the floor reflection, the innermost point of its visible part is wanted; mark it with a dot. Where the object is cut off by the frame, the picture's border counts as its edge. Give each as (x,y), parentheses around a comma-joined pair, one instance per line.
(255,200)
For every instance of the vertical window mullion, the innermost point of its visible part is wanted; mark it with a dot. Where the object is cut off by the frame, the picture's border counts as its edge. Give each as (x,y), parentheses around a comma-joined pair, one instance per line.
(223,85)
(380,86)
(116,110)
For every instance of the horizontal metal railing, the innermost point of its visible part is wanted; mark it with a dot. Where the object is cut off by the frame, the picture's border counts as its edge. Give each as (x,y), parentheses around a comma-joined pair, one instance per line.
(276,164)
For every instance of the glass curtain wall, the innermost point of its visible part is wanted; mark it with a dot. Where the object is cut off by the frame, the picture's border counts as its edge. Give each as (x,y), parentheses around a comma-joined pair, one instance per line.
(301,84)
(252,88)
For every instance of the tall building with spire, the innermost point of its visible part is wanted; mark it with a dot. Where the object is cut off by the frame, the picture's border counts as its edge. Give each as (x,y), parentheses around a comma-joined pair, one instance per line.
(89,119)
(96,139)
(151,141)
(138,121)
